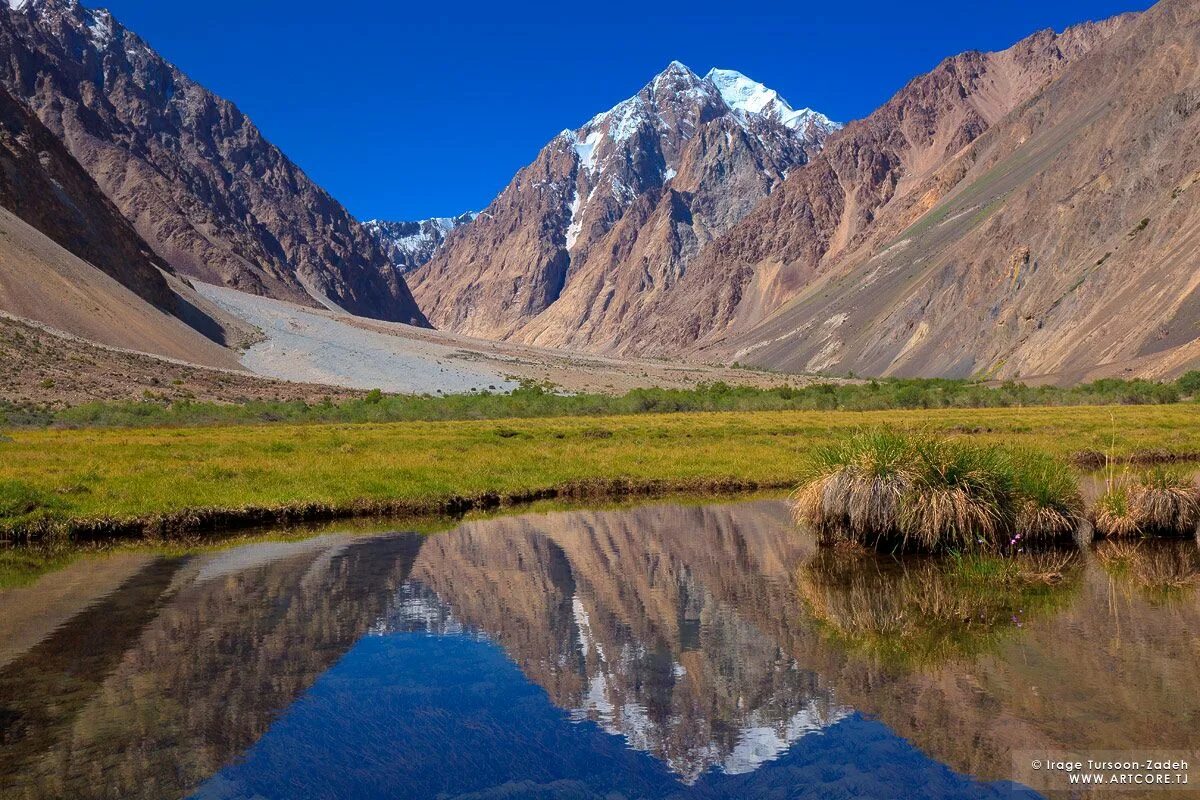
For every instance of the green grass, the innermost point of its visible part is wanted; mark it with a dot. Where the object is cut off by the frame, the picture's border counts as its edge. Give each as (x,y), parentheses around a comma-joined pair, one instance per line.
(534,400)
(124,473)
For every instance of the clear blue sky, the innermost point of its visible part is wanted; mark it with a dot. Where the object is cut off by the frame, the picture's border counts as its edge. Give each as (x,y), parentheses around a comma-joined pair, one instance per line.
(407,110)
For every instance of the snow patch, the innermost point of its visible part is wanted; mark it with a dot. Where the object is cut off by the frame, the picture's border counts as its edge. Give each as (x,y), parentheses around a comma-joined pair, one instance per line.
(100,28)
(576,223)
(748,96)
(758,744)
(586,151)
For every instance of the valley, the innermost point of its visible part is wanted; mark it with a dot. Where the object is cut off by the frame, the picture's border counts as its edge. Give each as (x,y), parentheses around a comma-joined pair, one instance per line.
(730,447)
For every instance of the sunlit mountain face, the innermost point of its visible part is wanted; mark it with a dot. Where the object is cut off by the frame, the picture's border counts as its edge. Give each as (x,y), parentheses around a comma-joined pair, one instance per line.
(657,652)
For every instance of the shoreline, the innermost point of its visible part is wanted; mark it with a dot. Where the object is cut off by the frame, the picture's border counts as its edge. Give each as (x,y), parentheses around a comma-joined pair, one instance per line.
(208,520)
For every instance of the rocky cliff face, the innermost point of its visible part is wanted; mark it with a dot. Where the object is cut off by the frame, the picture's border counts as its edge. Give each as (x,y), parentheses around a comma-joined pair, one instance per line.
(188,169)
(611,213)
(43,185)
(408,245)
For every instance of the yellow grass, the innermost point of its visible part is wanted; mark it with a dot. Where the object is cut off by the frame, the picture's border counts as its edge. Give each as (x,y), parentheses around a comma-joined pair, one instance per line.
(136,472)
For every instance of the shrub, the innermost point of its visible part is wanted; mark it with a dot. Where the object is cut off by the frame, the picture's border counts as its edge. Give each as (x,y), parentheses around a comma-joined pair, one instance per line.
(1189,383)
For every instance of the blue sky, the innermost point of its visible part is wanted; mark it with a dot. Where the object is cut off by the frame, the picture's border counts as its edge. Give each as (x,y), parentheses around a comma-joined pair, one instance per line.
(408,110)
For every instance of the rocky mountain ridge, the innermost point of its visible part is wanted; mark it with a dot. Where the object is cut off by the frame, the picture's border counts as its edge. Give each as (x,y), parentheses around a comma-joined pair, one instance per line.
(410,244)
(1061,243)
(665,171)
(944,234)
(194,176)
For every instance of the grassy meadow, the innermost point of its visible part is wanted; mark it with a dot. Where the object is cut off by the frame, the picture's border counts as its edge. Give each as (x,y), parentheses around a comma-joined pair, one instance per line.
(53,478)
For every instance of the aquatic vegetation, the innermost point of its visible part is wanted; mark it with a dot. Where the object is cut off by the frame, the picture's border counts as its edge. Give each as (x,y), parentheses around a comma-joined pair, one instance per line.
(1166,502)
(853,488)
(1049,504)
(907,492)
(1161,502)
(962,497)
(1161,569)
(1113,514)
(926,610)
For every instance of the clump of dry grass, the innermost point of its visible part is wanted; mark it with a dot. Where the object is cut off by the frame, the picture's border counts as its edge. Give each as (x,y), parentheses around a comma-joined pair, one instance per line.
(1049,505)
(1113,514)
(1166,502)
(853,488)
(1161,502)
(905,492)
(961,499)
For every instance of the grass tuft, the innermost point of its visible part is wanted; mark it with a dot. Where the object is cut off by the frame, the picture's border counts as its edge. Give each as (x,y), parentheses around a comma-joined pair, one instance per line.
(1166,502)
(1160,502)
(1113,514)
(906,492)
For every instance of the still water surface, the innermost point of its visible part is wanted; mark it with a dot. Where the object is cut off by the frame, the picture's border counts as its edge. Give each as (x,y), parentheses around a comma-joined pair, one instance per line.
(657,652)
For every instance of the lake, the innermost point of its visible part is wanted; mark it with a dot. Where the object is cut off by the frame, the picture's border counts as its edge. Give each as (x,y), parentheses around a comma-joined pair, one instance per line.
(666,651)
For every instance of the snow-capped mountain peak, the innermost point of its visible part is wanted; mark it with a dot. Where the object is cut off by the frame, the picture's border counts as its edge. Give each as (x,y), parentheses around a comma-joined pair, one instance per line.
(748,96)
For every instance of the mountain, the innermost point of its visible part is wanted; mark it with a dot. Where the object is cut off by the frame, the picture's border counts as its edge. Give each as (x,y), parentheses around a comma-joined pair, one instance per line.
(43,185)
(1062,240)
(200,184)
(609,215)
(867,174)
(1028,212)
(70,260)
(408,245)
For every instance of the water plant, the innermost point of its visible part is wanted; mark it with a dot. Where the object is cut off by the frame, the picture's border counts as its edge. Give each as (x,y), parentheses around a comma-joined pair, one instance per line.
(1113,515)
(908,492)
(1049,504)
(961,498)
(1166,502)
(852,489)
(1159,502)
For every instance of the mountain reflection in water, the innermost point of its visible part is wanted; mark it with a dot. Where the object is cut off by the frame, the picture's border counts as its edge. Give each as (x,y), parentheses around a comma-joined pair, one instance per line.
(657,652)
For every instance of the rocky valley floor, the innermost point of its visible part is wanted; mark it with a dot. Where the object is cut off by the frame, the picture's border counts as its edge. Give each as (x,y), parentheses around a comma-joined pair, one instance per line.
(316,346)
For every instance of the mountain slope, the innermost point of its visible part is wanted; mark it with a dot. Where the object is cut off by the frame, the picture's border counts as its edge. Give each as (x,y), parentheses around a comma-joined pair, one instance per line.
(649,181)
(41,281)
(69,259)
(42,184)
(191,172)
(1064,242)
